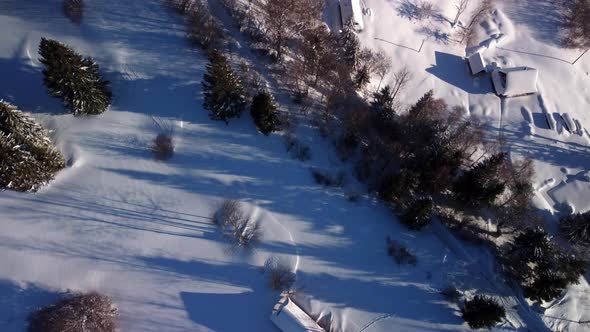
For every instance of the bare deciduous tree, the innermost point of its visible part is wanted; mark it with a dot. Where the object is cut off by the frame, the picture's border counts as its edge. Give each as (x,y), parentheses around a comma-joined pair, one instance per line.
(461,6)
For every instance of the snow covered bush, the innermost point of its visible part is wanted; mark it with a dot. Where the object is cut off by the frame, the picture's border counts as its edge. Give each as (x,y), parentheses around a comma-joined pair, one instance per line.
(74,10)
(77,313)
(264,112)
(576,23)
(236,226)
(576,228)
(73,79)
(29,159)
(280,276)
(482,312)
(417,214)
(224,94)
(400,253)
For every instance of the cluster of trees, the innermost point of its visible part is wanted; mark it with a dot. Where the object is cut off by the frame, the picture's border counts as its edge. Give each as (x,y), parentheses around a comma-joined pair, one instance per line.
(225,96)
(542,268)
(29,159)
(73,79)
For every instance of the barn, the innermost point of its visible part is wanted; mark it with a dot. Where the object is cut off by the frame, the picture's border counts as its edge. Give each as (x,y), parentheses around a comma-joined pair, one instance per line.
(517,81)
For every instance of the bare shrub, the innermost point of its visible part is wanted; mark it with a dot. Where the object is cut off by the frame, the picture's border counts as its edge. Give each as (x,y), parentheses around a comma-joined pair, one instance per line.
(74,10)
(78,313)
(236,226)
(280,276)
(451,294)
(297,149)
(327,179)
(163,145)
(400,253)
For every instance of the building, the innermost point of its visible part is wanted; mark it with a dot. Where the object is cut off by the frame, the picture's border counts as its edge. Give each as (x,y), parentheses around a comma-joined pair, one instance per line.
(476,63)
(512,82)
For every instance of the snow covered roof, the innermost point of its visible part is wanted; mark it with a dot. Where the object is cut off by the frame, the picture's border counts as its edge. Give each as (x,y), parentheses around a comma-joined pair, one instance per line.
(515,81)
(352,9)
(476,63)
(290,318)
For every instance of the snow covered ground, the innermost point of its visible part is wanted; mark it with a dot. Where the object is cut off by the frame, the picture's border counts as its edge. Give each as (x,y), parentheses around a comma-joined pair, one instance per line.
(121,223)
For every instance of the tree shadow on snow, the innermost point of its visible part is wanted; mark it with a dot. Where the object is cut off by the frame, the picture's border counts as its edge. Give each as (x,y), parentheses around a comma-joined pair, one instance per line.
(454,70)
(17,303)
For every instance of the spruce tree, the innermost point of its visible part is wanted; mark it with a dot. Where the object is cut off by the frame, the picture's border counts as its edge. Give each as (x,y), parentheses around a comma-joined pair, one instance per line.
(73,79)
(264,112)
(382,103)
(223,90)
(28,159)
(482,312)
(481,184)
(349,45)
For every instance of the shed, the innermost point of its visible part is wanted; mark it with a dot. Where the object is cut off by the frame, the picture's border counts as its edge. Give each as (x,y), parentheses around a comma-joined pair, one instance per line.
(352,10)
(289,317)
(517,81)
(476,63)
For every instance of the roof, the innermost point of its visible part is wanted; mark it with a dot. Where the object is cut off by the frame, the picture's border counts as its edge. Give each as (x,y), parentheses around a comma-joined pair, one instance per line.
(515,81)
(351,9)
(290,318)
(476,63)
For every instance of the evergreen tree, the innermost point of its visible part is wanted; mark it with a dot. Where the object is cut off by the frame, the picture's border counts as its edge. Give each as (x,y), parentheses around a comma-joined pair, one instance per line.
(482,312)
(223,90)
(362,77)
(481,184)
(264,112)
(382,103)
(73,79)
(576,228)
(417,214)
(28,160)
(349,45)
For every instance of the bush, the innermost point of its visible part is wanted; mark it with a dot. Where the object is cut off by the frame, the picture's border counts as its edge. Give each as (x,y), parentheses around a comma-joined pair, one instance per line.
(451,294)
(163,145)
(78,313)
(264,113)
(576,228)
(73,79)
(483,312)
(417,214)
(28,160)
(280,276)
(328,180)
(74,10)
(297,149)
(202,28)
(400,253)
(236,226)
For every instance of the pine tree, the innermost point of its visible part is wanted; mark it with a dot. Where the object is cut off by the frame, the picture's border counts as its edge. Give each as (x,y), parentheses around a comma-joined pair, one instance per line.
(481,184)
(349,45)
(482,312)
(382,103)
(28,160)
(73,79)
(223,90)
(362,78)
(264,112)
(417,214)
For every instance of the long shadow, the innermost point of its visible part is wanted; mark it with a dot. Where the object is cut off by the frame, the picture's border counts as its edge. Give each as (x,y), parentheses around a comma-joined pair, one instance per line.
(541,16)
(17,303)
(454,70)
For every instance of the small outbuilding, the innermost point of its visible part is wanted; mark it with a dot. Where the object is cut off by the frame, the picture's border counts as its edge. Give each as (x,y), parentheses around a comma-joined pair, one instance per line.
(512,82)
(289,317)
(476,63)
